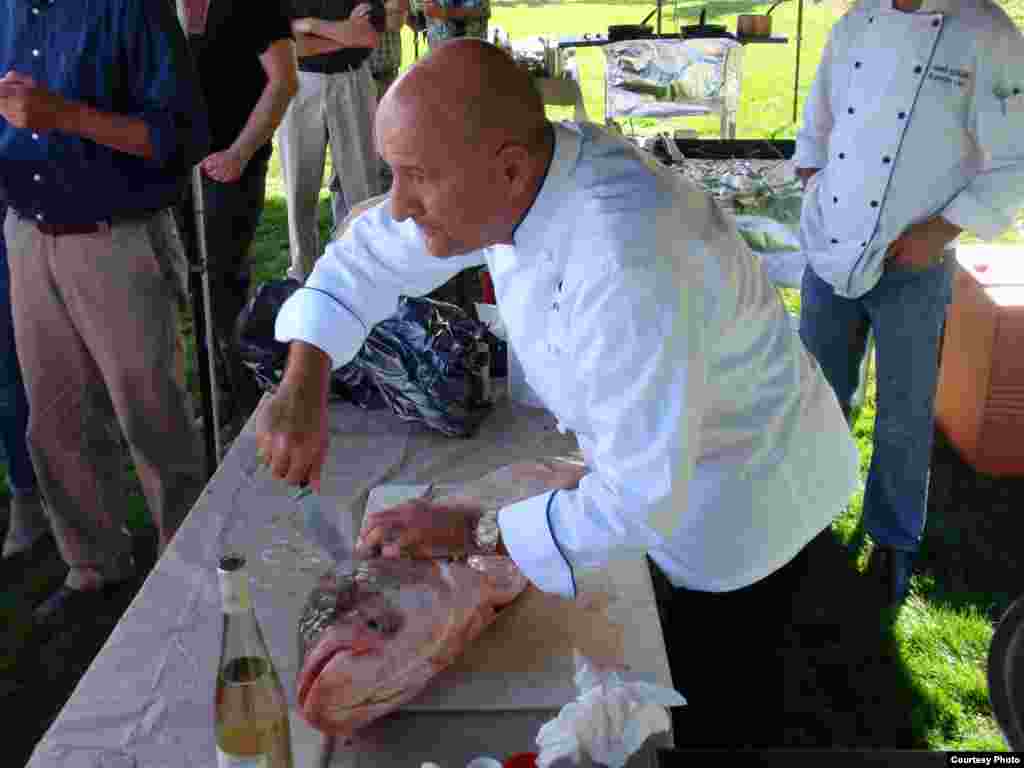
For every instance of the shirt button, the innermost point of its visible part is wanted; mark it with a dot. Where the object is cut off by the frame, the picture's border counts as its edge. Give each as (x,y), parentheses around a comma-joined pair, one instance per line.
(850,110)
(874,203)
(37,177)
(842,155)
(39,217)
(857,65)
(886,159)
(901,115)
(935,23)
(35,52)
(35,137)
(835,200)
(35,11)
(554,306)
(834,241)
(917,70)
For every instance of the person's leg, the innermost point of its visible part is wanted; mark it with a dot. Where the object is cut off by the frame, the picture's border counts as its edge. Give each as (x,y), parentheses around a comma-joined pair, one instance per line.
(124,297)
(834,330)
(907,311)
(28,521)
(232,214)
(302,142)
(350,103)
(725,656)
(76,456)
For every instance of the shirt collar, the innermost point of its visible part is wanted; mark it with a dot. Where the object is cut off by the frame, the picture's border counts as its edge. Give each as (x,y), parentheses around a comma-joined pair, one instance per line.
(538,218)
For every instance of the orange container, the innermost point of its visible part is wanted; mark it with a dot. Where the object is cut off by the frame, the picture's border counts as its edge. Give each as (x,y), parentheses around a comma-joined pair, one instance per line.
(979,404)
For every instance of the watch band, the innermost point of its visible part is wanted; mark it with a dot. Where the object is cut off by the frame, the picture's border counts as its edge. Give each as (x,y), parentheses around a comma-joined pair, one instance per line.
(486,533)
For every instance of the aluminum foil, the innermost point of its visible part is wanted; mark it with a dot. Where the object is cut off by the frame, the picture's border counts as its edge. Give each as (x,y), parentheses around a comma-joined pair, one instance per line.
(673,78)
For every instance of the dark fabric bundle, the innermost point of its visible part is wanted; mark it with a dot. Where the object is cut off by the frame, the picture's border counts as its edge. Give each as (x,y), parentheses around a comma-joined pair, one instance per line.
(418,362)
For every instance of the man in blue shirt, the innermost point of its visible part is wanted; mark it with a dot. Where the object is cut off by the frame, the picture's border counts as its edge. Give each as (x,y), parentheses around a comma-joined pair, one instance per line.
(101,121)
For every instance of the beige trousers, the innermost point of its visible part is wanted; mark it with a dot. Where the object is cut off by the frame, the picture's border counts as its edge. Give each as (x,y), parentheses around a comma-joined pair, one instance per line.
(95,320)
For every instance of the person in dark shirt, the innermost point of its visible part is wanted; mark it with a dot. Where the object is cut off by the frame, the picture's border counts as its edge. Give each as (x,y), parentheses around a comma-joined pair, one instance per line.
(101,122)
(335,106)
(247,71)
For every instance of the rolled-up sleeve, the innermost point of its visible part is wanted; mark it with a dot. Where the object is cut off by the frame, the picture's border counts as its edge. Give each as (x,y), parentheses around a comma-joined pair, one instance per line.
(988,205)
(358,281)
(166,87)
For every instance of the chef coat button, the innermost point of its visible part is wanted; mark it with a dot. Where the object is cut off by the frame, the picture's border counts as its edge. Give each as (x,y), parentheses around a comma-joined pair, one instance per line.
(902,115)
(37,177)
(935,23)
(835,200)
(886,159)
(874,203)
(842,155)
(850,110)
(554,306)
(863,245)
(834,241)
(917,70)
(857,65)
(871,19)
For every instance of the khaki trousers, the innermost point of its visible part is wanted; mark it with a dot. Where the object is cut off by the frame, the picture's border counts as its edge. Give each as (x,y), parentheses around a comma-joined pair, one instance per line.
(329,110)
(95,320)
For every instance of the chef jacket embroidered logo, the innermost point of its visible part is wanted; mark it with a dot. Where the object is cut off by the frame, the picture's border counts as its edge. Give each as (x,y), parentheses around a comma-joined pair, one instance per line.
(949,75)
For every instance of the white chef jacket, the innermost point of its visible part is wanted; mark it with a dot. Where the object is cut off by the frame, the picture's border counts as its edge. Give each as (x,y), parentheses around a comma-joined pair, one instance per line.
(910,115)
(647,327)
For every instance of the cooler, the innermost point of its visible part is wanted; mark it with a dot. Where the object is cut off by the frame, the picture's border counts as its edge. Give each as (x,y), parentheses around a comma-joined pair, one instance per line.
(979,404)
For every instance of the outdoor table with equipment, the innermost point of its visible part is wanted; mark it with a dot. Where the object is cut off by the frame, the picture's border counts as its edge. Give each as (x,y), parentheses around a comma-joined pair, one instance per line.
(147,699)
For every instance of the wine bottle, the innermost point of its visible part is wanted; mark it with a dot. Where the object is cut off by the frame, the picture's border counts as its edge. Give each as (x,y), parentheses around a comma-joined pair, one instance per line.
(250,703)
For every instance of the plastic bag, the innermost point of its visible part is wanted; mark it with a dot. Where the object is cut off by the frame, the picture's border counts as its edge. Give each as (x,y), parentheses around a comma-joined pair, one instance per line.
(610,719)
(418,362)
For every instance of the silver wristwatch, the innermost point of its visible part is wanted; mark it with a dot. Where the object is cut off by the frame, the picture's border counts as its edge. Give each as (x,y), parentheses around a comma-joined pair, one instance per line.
(486,533)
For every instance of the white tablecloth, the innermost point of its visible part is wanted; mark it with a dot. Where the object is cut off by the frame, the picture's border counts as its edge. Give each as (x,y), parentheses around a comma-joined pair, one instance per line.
(147,699)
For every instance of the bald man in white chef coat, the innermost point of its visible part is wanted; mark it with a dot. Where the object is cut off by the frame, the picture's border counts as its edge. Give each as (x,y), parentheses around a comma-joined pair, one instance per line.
(713,442)
(913,131)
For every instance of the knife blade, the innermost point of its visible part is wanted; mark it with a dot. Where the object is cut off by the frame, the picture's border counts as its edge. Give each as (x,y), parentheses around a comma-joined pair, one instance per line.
(339,547)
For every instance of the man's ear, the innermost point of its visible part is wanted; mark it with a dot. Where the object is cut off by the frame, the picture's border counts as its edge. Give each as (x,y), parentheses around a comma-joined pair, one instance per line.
(514,162)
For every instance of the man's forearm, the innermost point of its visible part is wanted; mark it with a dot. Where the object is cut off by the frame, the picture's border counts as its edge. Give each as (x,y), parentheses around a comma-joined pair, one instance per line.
(121,132)
(264,119)
(314,45)
(464,13)
(341,32)
(308,370)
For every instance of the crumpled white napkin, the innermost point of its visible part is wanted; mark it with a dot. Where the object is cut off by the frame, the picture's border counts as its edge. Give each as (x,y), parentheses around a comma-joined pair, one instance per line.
(610,719)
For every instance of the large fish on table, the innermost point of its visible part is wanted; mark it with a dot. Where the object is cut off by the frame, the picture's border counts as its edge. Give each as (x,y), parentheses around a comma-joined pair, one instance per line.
(370,642)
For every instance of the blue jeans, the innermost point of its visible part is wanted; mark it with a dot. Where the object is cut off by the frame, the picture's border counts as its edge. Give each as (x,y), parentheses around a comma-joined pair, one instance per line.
(906,313)
(13,400)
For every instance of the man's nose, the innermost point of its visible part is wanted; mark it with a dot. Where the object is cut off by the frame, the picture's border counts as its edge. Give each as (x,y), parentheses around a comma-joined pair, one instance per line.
(403,205)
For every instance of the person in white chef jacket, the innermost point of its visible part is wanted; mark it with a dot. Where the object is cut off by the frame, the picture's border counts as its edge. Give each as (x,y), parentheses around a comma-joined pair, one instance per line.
(712,440)
(913,131)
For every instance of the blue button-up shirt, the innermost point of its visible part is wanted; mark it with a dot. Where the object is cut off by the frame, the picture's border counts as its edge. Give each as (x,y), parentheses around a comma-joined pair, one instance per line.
(119,56)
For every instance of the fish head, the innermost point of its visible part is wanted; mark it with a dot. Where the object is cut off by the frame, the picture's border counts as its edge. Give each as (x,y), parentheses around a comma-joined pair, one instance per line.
(366,639)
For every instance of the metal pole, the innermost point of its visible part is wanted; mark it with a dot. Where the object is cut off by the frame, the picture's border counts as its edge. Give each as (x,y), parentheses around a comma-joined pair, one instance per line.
(198,280)
(799,45)
(659,17)
(197,201)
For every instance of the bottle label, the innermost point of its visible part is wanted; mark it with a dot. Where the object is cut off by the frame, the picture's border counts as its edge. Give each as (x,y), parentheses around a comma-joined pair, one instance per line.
(226,760)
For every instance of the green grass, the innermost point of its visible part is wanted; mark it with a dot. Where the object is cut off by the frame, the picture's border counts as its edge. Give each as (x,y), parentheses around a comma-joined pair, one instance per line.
(942,635)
